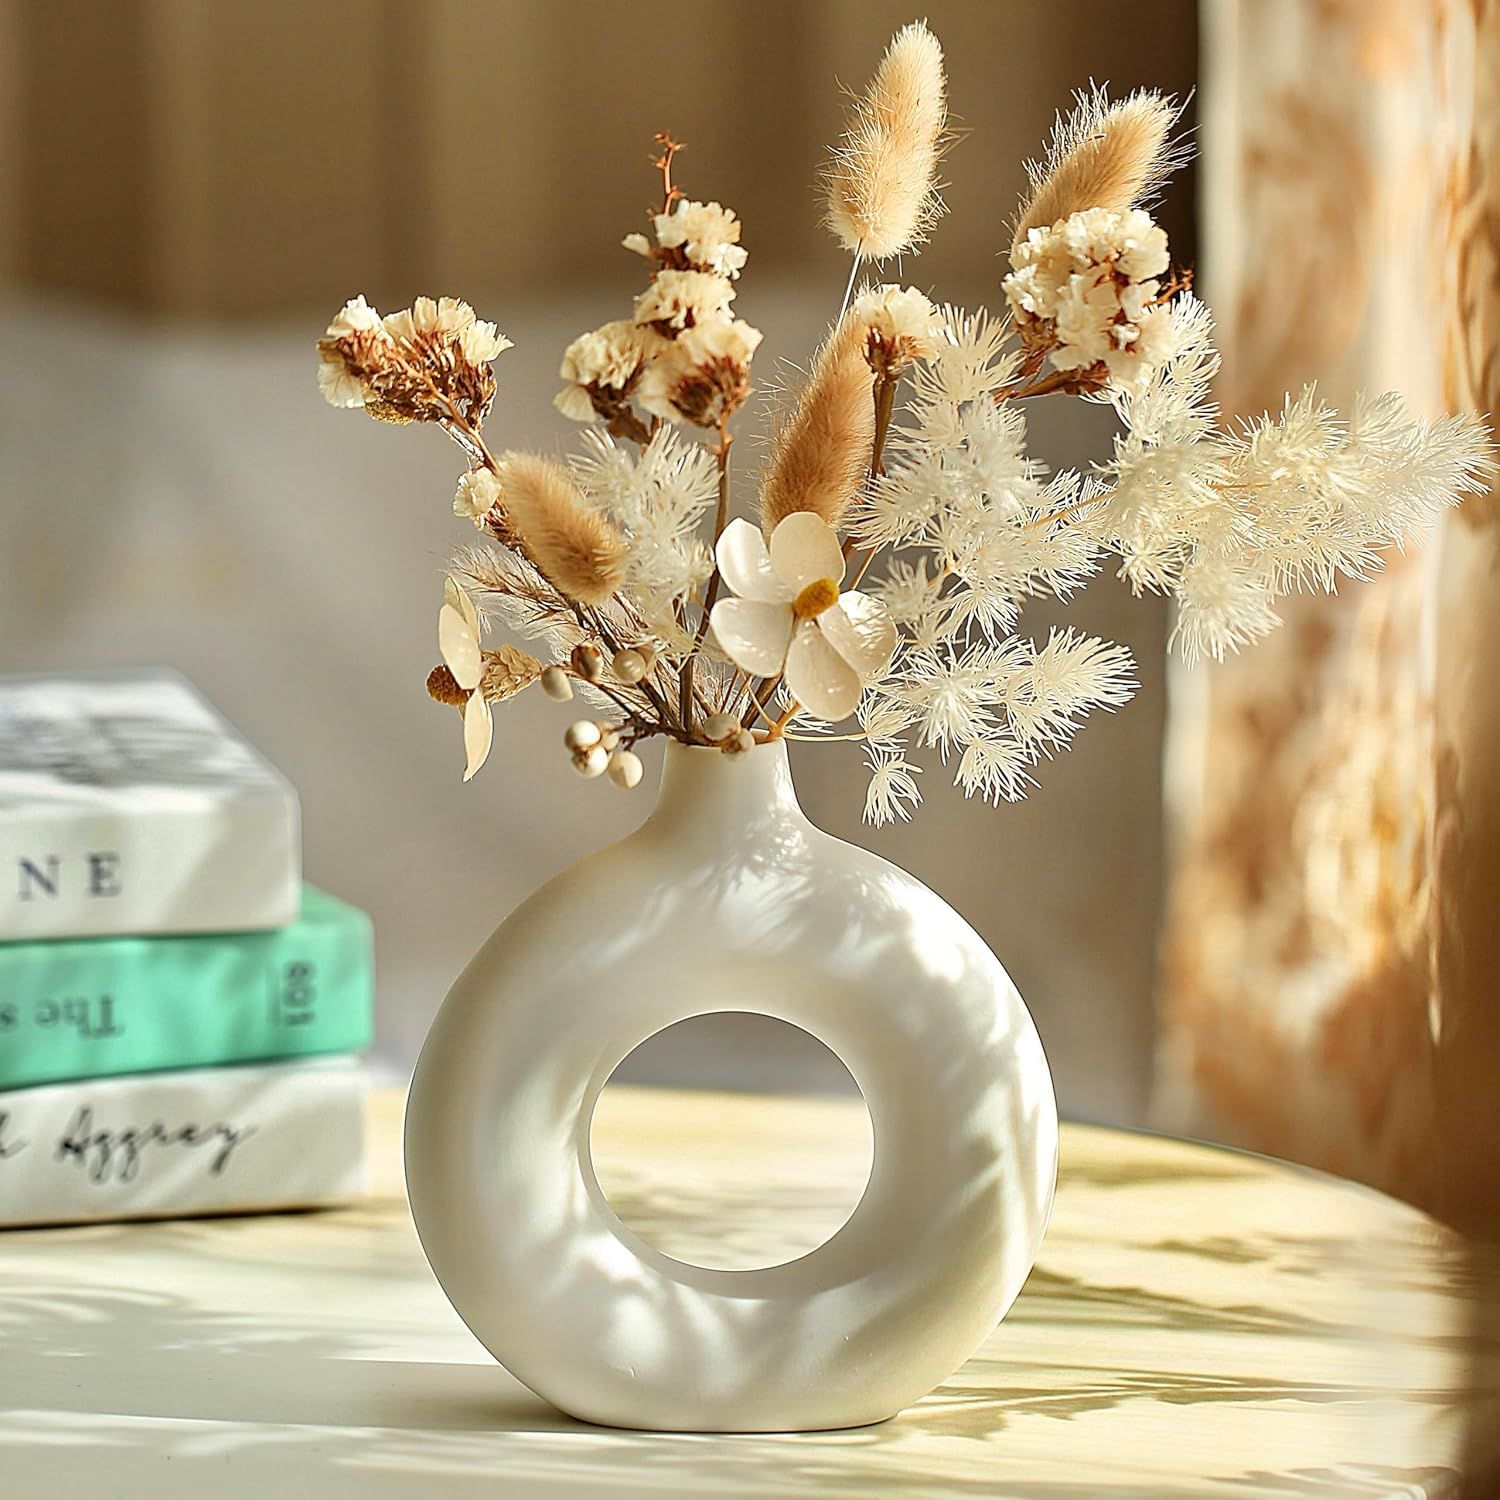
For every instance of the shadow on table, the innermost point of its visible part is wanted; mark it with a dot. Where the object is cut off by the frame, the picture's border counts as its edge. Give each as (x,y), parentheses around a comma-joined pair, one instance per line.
(271,1402)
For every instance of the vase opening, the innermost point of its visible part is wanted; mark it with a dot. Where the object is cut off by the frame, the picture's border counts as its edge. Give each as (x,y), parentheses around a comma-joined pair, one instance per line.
(754,1208)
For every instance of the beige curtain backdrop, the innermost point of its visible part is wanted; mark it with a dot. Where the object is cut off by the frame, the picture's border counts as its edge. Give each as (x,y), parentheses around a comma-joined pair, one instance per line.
(1333,846)
(238,158)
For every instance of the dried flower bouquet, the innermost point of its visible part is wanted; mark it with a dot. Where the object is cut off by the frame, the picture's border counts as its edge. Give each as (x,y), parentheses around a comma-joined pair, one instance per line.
(901,522)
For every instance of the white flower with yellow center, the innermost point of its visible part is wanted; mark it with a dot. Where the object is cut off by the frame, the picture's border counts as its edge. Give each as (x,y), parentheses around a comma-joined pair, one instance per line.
(458,640)
(789,615)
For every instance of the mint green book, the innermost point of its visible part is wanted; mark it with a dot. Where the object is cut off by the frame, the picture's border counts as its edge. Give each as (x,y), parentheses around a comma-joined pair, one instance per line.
(96,1007)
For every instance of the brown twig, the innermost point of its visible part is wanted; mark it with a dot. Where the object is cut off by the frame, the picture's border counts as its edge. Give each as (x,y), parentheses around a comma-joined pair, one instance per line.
(758,708)
(663,163)
(885,404)
(1072,382)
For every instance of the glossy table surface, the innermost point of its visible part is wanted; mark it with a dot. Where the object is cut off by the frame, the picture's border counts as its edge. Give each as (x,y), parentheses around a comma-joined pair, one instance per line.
(1200,1323)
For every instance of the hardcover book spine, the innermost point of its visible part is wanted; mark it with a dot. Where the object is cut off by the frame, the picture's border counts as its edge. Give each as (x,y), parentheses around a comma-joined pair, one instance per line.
(96,1008)
(209,1141)
(128,805)
(231,864)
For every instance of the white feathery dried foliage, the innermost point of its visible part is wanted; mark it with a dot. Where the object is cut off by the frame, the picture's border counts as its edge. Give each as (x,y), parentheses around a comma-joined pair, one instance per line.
(964,490)
(998,708)
(1225,521)
(1102,155)
(657,499)
(880,184)
(1229,520)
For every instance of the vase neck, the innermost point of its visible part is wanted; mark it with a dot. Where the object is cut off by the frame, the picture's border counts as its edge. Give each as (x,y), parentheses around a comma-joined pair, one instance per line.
(708,794)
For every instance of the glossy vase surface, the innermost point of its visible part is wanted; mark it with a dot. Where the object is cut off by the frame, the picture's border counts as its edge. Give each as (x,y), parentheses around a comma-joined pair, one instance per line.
(727,898)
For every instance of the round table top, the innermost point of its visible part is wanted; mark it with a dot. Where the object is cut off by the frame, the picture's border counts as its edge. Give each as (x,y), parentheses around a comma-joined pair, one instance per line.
(1201,1323)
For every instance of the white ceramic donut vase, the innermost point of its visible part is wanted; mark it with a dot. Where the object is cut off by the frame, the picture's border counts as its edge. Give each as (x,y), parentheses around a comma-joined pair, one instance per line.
(727,898)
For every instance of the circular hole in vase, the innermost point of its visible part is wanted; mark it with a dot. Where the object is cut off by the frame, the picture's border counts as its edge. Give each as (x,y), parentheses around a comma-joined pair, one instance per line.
(777,1156)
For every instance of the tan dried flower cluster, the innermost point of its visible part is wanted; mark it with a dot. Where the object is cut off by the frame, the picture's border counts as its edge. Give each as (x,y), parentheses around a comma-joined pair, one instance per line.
(1084,292)
(428,363)
(682,355)
(901,327)
(904,445)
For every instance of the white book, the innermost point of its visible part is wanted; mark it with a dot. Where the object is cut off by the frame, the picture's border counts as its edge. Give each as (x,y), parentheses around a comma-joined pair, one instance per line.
(128,805)
(171,1145)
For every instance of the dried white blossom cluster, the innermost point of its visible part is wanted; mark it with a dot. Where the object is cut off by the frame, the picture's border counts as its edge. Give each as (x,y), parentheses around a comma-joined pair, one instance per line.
(682,355)
(657,498)
(901,326)
(902,523)
(704,237)
(1085,291)
(417,365)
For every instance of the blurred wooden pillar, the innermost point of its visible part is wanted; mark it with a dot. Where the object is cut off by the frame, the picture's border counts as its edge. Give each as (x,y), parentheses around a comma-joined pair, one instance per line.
(1297,1012)
(1466,825)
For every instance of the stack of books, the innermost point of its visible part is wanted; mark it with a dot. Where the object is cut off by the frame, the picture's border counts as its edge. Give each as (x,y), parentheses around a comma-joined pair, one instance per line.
(179,1014)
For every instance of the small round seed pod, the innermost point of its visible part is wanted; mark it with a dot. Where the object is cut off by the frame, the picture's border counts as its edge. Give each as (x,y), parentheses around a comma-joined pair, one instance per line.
(739,743)
(555,684)
(443,686)
(718,727)
(591,762)
(647,653)
(628,665)
(625,769)
(588,662)
(610,739)
(582,735)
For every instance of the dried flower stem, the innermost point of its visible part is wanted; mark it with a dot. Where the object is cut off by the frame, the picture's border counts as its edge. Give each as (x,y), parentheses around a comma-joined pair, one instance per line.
(711,594)
(1073,382)
(758,708)
(885,403)
(1063,514)
(848,291)
(732,692)
(663,164)
(595,623)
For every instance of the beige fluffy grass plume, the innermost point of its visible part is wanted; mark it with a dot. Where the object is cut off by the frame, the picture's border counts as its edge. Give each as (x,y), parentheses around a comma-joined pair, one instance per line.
(1102,155)
(881,181)
(820,449)
(574,547)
